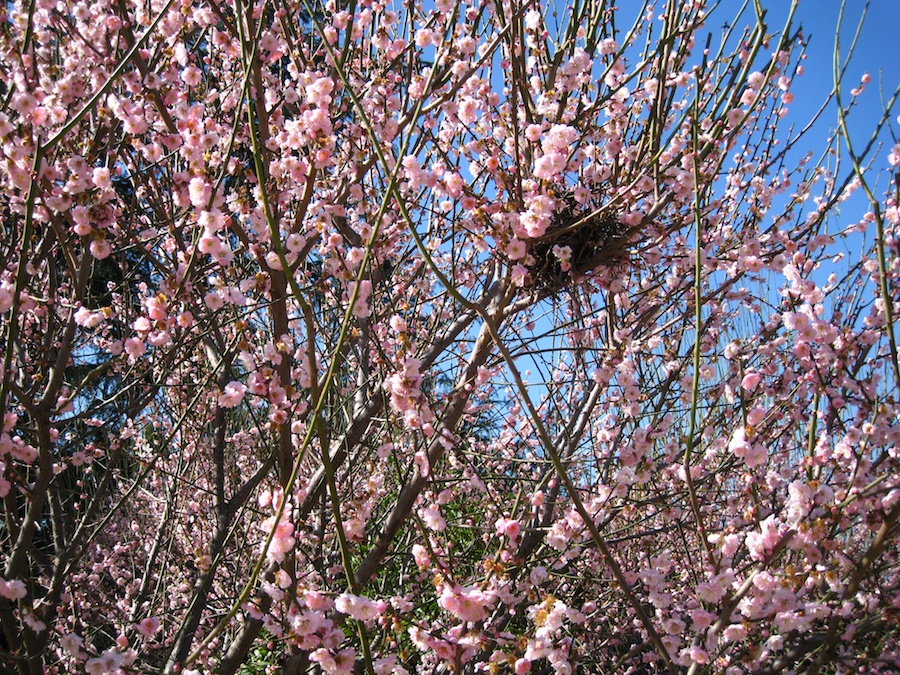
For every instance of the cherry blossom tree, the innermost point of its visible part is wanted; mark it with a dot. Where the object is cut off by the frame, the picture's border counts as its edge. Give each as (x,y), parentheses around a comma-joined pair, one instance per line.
(484,337)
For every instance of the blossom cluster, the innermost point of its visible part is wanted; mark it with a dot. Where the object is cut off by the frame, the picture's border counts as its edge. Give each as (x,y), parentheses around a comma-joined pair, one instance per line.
(281,384)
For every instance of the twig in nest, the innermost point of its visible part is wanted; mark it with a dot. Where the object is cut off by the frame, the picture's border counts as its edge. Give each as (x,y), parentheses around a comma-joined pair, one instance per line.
(579,240)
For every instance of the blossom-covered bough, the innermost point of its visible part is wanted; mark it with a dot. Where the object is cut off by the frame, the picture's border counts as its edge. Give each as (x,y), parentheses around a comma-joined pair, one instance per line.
(439,337)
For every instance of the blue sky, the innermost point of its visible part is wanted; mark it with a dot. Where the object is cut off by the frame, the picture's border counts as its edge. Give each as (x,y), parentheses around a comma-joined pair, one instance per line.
(876,52)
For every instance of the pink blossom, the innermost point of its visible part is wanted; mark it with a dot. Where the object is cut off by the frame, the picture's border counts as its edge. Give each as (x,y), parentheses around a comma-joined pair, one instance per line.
(159,338)
(358,607)
(508,528)
(558,139)
(420,554)
(425,37)
(148,626)
(213,301)
(72,643)
(697,654)
(738,443)
(468,604)
(319,92)
(894,155)
(519,275)
(335,664)
(516,249)
(538,575)
(532,19)
(404,385)
(100,248)
(533,132)
(361,308)
(750,381)
(755,416)
(734,116)
(13,589)
(108,662)
(420,459)
(135,347)
(191,76)
(757,455)
(549,167)
(761,543)
(317,601)
(282,539)
(608,46)
(431,516)
(80,458)
(756,80)
(88,319)
(6,297)
(232,395)
(102,178)
(398,324)
(702,619)
(307,622)
(199,191)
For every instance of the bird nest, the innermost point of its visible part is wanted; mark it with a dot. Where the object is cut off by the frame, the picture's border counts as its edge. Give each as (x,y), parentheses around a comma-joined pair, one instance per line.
(580,239)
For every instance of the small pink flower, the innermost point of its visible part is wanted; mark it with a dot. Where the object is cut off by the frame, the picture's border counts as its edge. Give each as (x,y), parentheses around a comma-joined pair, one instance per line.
(72,643)
(361,307)
(100,249)
(158,338)
(148,627)
(199,191)
(608,46)
(213,301)
(191,76)
(756,456)
(558,139)
(208,243)
(135,348)
(519,275)
(532,19)
(421,460)
(468,604)
(431,516)
(307,623)
(101,177)
(232,395)
(358,607)
(756,80)
(756,416)
(738,443)
(86,318)
(420,554)
(750,381)
(697,655)
(12,590)
(550,165)
(508,528)
(317,601)
(516,249)
(533,132)
(753,264)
